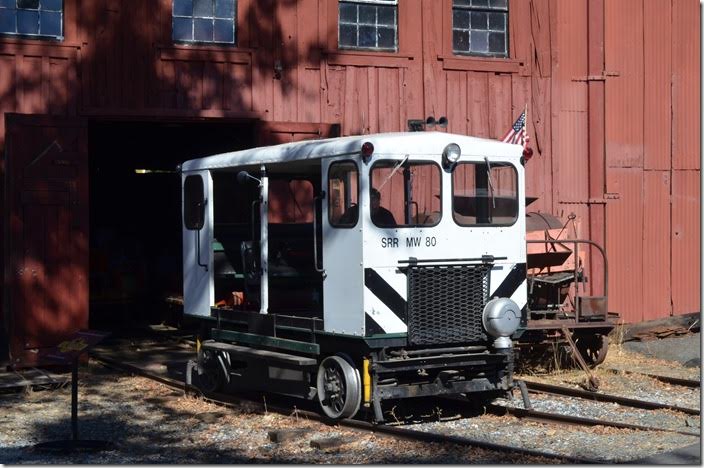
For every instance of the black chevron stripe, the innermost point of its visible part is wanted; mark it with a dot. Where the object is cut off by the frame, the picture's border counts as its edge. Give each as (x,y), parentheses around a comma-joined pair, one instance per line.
(386,294)
(512,281)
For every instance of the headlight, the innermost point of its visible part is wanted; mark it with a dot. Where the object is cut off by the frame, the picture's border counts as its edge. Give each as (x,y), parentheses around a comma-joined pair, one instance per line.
(450,155)
(501,317)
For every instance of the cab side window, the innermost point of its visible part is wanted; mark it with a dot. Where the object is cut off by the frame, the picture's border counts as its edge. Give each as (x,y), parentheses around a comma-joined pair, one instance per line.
(343,194)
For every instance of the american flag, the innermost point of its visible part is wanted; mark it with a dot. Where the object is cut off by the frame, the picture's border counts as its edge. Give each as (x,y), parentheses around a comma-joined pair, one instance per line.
(517,133)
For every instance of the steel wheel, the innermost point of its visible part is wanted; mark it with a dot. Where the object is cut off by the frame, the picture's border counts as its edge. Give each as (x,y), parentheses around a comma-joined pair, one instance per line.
(210,377)
(339,388)
(593,348)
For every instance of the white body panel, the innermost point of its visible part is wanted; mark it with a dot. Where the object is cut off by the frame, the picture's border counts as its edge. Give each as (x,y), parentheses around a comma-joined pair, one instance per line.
(384,247)
(342,262)
(198,289)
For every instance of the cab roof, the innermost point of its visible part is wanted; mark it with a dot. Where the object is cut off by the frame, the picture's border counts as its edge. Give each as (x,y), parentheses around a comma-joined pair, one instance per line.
(412,143)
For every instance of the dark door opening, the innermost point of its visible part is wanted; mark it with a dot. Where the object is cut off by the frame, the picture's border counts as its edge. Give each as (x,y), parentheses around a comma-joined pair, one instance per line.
(135,214)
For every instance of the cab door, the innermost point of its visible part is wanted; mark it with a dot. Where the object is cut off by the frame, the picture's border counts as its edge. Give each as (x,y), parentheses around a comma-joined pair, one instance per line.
(198,289)
(342,247)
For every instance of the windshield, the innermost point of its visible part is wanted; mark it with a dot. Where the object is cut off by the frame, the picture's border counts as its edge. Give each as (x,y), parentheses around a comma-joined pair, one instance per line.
(405,193)
(485,194)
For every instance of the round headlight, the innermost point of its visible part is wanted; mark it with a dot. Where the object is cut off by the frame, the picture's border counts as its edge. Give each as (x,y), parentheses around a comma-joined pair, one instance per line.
(501,317)
(452,153)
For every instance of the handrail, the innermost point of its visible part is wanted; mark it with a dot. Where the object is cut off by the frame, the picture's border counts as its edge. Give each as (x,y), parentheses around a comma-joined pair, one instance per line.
(321,196)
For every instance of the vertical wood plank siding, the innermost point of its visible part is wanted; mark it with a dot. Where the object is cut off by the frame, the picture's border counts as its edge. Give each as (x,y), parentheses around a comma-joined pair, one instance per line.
(625,245)
(656,249)
(657,64)
(612,88)
(686,242)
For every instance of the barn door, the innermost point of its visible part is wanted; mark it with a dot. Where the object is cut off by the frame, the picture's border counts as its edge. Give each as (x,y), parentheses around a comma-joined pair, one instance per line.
(46,236)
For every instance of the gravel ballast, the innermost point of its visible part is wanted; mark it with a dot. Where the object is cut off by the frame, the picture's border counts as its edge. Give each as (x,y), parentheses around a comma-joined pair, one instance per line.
(150,423)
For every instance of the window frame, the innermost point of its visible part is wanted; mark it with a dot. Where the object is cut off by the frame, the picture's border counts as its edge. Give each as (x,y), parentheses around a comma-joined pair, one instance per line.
(329,197)
(194,213)
(36,36)
(487,9)
(358,48)
(413,162)
(193,18)
(493,164)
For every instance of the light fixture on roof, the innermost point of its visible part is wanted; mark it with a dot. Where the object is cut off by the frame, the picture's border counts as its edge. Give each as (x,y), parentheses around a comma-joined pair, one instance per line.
(367,151)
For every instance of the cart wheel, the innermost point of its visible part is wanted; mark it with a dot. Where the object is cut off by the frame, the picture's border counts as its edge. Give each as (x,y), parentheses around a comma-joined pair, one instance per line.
(593,348)
(210,376)
(339,388)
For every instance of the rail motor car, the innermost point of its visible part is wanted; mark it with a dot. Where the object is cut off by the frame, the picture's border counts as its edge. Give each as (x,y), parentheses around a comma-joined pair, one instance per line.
(357,269)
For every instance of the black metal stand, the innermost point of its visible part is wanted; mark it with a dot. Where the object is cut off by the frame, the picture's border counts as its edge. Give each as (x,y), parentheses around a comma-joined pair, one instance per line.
(74,444)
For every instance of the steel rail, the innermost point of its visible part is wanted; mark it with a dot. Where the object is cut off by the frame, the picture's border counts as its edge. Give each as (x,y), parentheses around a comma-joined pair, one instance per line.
(558,390)
(232,402)
(555,418)
(662,378)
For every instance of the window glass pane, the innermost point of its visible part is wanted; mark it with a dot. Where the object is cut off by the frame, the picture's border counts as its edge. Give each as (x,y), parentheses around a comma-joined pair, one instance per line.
(498,4)
(202,30)
(462,2)
(367,14)
(8,3)
(479,41)
(497,21)
(52,5)
(28,4)
(348,13)
(27,22)
(460,19)
(387,38)
(193,202)
(367,36)
(460,40)
(386,15)
(483,199)
(348,35)
(393,204)
(203,8)
(183,29)
(480,3)
(183,7)
(224,31)
(224,9)
(343,189)
(7,21)
(479,20)
(497,43)
(50,23)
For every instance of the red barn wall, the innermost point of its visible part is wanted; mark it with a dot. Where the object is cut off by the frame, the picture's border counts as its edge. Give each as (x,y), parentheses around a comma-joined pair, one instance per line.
(612,89)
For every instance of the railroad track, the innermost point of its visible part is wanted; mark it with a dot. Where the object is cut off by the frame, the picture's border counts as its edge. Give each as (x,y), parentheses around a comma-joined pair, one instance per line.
(230,401)
(548,389)
(662,378)
(409,433)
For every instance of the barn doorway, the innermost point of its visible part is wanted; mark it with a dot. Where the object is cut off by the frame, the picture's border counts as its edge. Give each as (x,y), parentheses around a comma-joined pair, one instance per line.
(135,214)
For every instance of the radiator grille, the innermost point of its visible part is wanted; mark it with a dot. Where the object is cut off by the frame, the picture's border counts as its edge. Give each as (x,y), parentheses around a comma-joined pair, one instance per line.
(445,303)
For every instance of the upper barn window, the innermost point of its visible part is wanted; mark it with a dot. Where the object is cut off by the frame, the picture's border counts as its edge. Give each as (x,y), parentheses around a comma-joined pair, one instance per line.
(369,24)
(40,18)
(204,21)
(480,27)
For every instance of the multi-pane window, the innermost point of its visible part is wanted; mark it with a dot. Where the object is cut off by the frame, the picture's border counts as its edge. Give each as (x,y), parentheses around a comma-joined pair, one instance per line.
(484,194)
(204,21)
(480,27)
(368,24)
(41,18)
